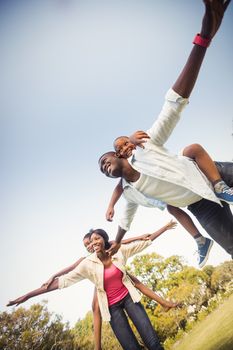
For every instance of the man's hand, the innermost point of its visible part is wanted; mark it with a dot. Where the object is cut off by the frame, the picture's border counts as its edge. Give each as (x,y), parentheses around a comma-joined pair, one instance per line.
(114,248)
(109,214)
(214,12)
(138,138)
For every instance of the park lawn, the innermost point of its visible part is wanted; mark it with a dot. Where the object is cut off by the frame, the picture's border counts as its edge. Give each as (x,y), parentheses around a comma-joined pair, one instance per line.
(215,332)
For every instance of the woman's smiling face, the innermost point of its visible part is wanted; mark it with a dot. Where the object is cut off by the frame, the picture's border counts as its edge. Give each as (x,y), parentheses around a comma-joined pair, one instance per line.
(97,242)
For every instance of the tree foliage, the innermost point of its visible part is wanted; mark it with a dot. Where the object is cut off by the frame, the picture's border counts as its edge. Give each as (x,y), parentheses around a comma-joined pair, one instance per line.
(34,329)
(222,277)
(173,280)
(84,338)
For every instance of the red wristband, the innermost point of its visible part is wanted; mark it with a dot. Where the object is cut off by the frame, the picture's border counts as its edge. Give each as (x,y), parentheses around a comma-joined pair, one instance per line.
(199,40)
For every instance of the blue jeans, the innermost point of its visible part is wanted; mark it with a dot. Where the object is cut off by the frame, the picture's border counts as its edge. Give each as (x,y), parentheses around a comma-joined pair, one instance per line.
(121,328)
(217,220)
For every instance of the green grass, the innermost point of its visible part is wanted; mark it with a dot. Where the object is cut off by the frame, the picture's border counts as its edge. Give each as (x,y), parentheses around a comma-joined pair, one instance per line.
(215,332)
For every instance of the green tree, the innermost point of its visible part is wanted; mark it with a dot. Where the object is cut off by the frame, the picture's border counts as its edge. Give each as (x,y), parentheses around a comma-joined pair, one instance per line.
(175,281)
(156,273)
(222,277)
(32,329)
(83,333)
(84,339)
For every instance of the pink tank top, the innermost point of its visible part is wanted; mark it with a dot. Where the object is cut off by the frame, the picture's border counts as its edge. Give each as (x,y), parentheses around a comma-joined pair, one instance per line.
(113,285)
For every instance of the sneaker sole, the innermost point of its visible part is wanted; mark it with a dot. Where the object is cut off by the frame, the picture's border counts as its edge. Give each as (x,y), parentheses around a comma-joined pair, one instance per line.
(207,255)
(225,200)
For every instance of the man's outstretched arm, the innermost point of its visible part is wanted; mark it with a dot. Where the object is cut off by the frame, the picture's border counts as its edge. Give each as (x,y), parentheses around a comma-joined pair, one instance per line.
(214,12)
(177,97)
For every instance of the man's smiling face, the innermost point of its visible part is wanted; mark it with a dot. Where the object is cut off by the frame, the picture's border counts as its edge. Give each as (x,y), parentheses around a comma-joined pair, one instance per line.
(110,165)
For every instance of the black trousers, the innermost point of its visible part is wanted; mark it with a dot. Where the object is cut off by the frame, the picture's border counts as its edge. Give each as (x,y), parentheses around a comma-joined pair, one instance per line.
(217,220)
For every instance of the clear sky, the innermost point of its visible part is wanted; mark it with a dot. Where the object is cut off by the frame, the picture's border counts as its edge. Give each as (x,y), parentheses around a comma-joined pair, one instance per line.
(74,74)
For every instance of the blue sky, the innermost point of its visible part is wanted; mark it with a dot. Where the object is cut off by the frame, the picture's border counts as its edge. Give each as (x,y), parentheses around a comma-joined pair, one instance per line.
(74,75)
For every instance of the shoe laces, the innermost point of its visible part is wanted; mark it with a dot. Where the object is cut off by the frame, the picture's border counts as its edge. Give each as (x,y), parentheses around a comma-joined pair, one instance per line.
(228,190)
(197,254)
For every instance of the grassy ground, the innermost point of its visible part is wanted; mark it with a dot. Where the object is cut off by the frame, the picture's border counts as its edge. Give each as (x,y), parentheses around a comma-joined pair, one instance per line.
(215,332)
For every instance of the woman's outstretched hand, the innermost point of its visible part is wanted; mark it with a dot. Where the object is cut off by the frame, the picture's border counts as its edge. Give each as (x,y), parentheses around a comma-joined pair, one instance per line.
(48,283)
(171,225)
(170,305)
(17,301)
